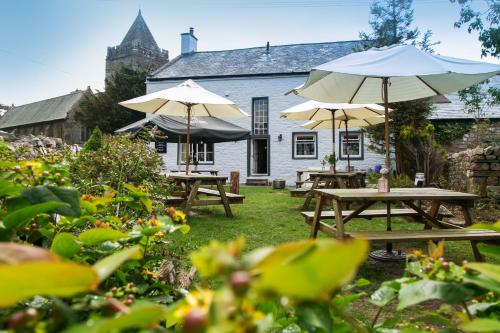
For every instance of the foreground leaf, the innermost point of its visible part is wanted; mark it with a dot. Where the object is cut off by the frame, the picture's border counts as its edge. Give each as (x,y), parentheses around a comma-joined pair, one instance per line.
(14,253)
(490,250)
(39,194)
(21,217)
(100,235)
(424,290)
(29,279)
(141,316)
(65,245)
(8,188)
(481,325)
(105,267)
(310,269)
(490,270)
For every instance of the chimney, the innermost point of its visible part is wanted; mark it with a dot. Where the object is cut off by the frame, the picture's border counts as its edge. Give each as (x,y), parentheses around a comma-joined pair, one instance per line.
(188,42)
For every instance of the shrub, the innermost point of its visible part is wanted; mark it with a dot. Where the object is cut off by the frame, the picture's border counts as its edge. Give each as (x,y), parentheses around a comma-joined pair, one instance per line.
(95,141)
(120,160)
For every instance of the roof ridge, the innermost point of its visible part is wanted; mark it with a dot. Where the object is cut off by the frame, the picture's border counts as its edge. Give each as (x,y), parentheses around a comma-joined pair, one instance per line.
(280,45)
(48,99)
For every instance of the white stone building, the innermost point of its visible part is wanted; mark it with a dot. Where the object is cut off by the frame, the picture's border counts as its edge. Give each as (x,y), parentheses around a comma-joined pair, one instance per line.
(256,79)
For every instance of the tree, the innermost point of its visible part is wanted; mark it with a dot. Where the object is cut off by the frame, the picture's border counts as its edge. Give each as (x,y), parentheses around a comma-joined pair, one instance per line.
(95,141)
(391,22)
(486,23)
(102,109)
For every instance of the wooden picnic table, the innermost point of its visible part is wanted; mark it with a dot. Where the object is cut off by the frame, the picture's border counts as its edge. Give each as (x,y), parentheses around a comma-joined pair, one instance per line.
(330,180)
(188,187)
(368,197)
(211,172)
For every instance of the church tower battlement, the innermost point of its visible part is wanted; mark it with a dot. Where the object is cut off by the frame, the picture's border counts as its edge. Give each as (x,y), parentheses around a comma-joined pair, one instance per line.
(138,50)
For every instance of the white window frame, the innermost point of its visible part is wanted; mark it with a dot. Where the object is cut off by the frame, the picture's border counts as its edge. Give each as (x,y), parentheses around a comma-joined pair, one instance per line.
(314,141)
(205,153)
(354,136)
(260,115)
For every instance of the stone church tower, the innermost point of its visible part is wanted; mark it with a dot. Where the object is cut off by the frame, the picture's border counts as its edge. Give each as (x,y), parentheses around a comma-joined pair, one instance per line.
(137,50)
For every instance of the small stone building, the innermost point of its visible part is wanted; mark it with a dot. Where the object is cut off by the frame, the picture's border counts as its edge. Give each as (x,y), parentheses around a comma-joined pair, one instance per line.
(53,117)
(138,50)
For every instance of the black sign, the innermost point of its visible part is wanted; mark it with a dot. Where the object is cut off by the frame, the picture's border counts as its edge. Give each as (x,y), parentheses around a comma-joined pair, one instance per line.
(161,147)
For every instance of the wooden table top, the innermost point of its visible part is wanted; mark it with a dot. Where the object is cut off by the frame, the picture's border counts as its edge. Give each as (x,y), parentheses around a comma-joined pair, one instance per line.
(334,175)
(194,171)
(425,193)
(195,176)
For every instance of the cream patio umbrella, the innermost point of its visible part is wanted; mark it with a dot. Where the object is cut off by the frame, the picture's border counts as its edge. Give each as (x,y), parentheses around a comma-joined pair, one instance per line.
(391,74)
(317,111)
(349,122)
(187,99)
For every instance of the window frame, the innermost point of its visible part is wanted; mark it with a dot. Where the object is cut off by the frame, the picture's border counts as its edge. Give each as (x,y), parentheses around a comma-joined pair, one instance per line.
(254,99)
(294,146)
(361,155)
(180,155)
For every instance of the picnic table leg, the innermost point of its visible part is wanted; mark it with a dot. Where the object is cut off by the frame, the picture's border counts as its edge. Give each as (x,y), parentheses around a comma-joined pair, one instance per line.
(317,216)
(299,179)
(432,212)
(310,194)
(191,197)
(339,219)
(224,199)
(466,211)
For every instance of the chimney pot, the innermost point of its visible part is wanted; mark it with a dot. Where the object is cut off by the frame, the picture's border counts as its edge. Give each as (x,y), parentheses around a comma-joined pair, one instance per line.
(267,48)
(191,30)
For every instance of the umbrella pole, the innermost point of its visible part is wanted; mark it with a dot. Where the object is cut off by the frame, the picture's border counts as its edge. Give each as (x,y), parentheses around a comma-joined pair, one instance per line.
(187,138)
(385,82)
(333,142)
(347,143)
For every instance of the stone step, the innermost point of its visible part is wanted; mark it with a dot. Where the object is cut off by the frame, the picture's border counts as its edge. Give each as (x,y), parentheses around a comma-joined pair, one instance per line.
(257,181)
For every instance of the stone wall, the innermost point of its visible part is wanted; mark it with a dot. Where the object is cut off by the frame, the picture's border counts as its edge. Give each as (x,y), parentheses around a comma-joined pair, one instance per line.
(33,145)
(474,170)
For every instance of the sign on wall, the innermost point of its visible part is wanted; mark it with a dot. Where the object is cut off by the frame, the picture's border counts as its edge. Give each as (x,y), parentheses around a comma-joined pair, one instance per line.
(161,147)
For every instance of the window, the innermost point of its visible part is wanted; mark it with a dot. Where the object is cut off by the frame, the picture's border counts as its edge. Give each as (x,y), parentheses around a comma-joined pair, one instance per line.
(352,145)
(203,152)
(305,145)
(260,115)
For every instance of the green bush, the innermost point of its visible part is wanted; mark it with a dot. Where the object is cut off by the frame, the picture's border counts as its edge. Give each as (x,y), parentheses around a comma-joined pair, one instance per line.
(120,160)
(95,141)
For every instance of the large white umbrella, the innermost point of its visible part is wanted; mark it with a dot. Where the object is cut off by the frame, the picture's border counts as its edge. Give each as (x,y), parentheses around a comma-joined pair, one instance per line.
(314,110)
(392,74)
(187,99)
(348,122)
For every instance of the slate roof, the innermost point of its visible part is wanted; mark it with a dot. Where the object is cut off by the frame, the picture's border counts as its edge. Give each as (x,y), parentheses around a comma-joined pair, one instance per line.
(51,109)
(139,35)
(280,59)
(455,109)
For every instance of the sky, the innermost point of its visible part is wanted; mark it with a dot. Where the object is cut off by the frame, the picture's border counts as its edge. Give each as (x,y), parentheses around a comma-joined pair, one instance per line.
(52,47)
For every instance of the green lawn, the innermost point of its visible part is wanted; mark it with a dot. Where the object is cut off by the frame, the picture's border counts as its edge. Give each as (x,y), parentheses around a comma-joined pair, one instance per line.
(270,217)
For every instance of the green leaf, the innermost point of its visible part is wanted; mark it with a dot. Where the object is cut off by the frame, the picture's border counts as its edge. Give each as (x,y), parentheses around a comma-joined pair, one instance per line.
(423,290)
(310,269)
(39,194)
(29,279)
(8,188)
(22,216)
(143,315)
(14,253)
(481,325)
(99,235)
(315,315)
(383,295)
(490,270)
(490,250)
(482,281)
(105,267)
(148,204)
(65,245)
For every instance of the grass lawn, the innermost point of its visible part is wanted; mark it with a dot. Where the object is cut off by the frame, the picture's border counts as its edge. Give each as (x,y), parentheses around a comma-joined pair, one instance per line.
(270,217)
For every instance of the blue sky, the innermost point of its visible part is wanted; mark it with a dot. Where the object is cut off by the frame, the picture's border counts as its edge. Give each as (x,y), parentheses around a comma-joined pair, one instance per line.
(51,47)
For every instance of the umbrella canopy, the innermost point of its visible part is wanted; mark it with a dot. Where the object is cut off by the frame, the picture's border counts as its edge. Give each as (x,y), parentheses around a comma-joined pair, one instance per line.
(391,74)
(187,99)
(314,110)
(206,129)
(351,123)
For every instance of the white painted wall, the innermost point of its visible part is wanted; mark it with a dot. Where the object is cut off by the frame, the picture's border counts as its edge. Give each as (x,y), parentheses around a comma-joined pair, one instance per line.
(232,156)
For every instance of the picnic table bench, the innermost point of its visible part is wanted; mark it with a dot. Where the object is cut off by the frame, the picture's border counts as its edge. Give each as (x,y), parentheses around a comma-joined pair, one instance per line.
(188,188)
(367,197)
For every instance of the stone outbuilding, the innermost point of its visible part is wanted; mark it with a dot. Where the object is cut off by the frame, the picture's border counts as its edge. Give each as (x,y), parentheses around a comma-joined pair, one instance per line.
(53,117)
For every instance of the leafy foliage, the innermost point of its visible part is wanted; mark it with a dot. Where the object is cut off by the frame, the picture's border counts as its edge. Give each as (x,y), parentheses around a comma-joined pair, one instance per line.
(102,109)
(95,142)
(447,131)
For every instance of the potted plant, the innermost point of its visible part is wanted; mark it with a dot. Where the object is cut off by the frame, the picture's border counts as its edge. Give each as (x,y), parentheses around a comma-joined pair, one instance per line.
(383,181)
(331,159)
(195,163)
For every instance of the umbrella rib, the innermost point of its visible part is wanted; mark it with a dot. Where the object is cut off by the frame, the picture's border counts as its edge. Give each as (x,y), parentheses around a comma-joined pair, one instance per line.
(356,92)
(207,110)
(428,86)
(317,110)
(154,112)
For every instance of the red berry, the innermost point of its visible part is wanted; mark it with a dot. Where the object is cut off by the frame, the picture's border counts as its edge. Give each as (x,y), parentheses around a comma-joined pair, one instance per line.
(428,268)
(16,320)
(114,289)
(445,265)
(240,282)
(195,322)
(33,225)
(129,301)
(131,296)
(31,314)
